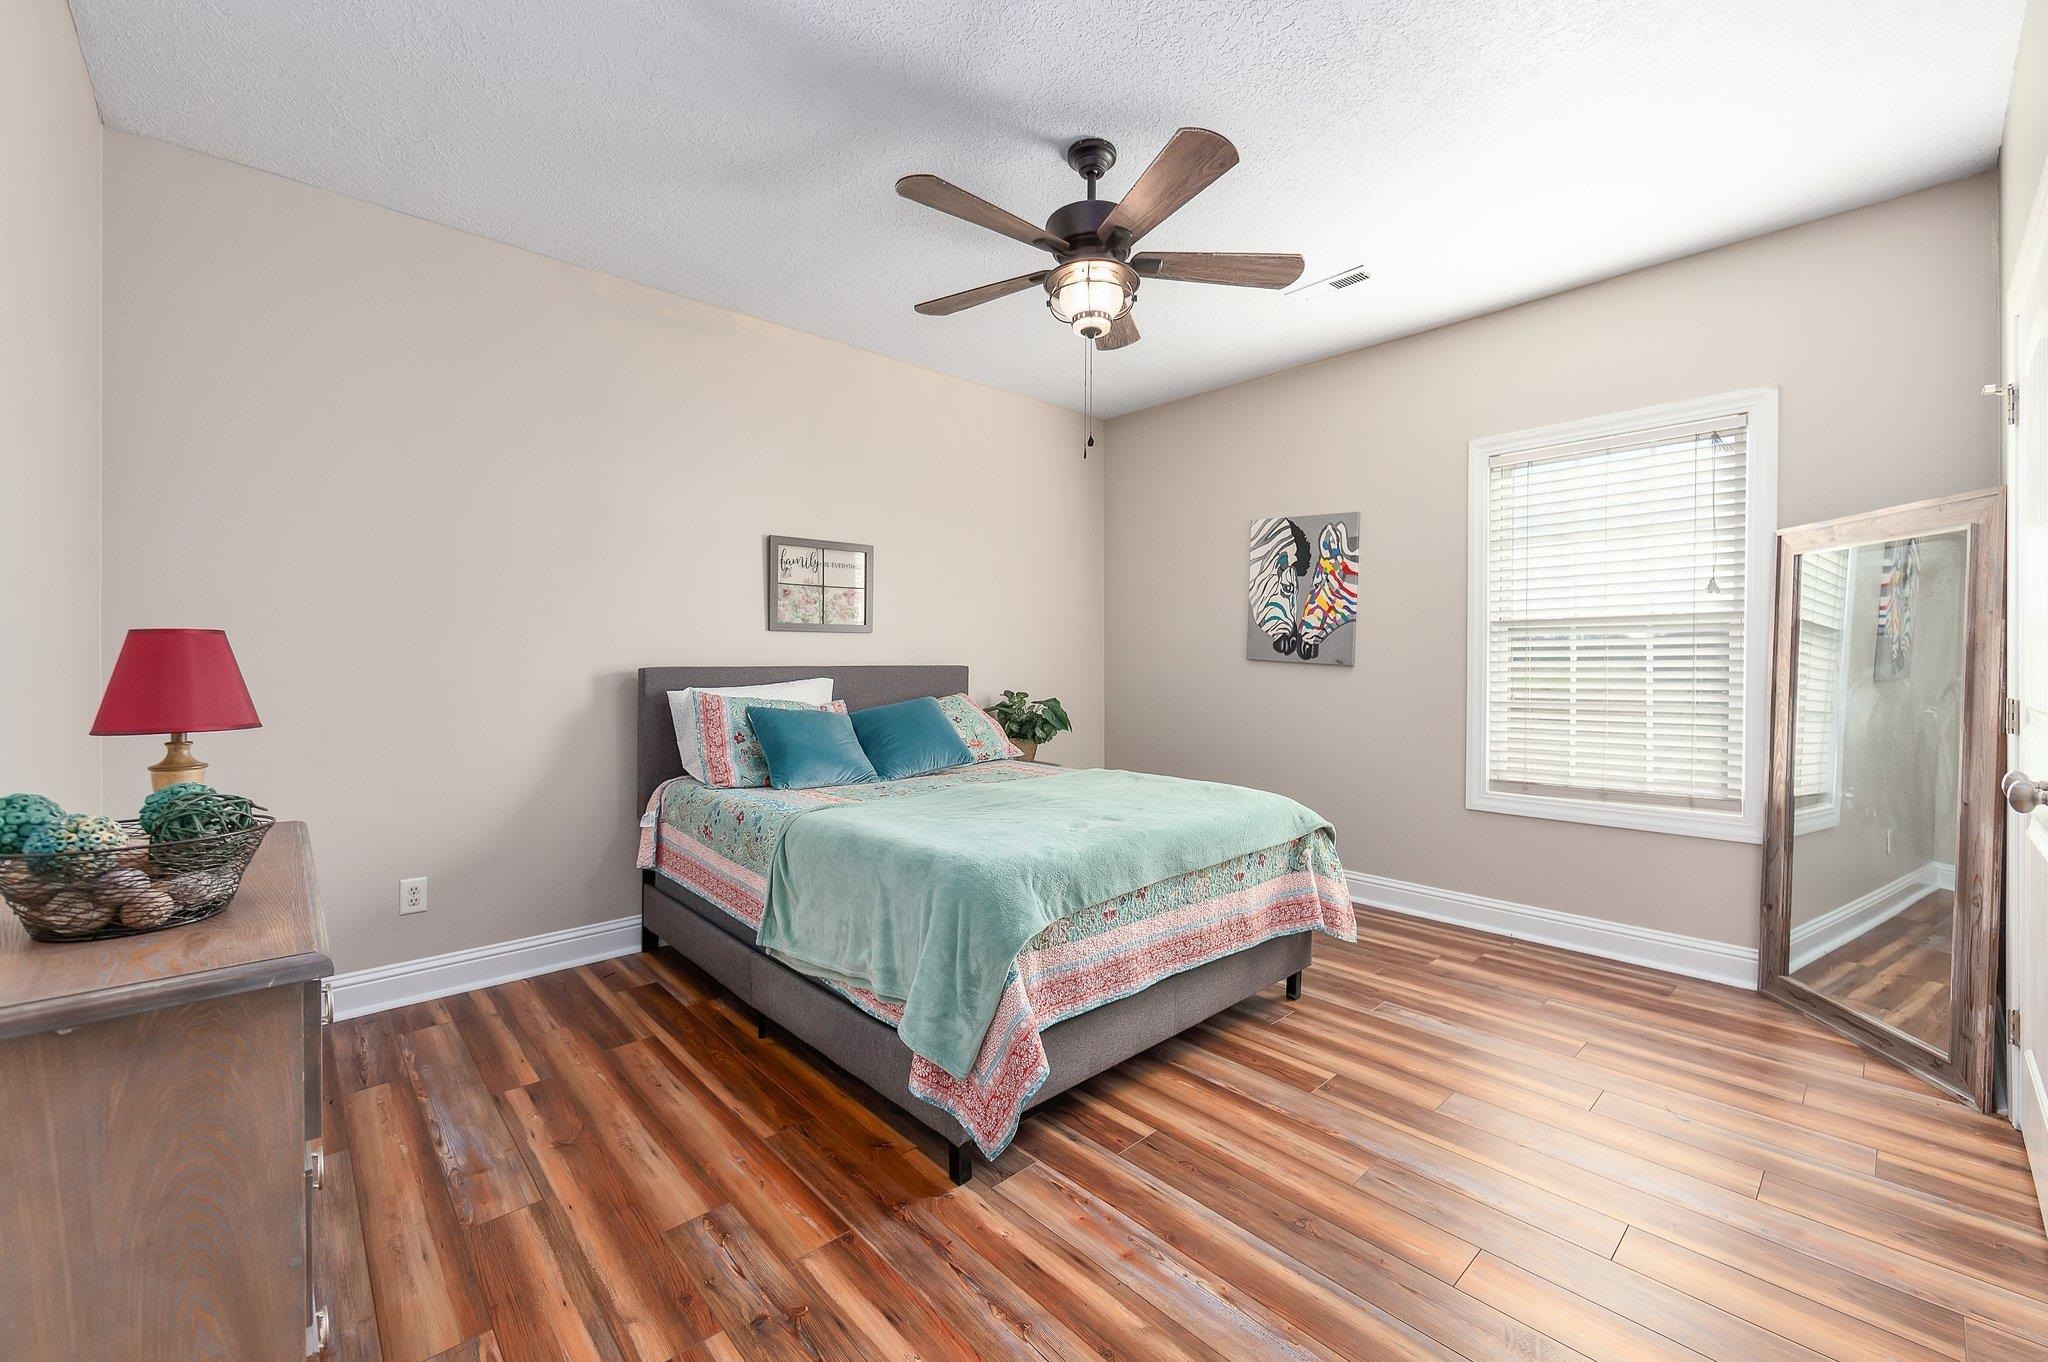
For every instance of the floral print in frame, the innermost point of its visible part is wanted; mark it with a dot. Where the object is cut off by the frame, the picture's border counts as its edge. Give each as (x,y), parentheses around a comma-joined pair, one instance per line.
(820,585)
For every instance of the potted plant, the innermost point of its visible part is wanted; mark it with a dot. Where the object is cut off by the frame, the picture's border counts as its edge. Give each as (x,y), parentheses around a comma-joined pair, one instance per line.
(1029,722)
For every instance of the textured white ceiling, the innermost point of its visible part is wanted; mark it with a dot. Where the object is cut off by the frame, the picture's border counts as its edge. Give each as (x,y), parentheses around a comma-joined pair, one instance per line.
(1471,154)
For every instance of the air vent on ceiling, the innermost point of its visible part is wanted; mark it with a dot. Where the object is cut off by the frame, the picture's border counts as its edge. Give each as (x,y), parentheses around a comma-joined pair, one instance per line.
(1322,288)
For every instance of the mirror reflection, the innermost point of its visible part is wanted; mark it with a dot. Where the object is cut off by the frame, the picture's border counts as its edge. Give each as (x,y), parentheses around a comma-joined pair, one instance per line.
(1877,740)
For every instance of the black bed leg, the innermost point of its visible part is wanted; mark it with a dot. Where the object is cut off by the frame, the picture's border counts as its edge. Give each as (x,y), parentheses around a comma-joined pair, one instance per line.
(760,1027)
(1294,987)
(960,1163)
(648,940)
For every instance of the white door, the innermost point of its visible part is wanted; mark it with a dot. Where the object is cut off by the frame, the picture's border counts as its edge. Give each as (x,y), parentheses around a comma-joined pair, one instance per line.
(2026,897)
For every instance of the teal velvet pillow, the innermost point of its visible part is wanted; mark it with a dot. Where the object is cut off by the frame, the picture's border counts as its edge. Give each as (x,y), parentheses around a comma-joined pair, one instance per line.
(807,748)
(913,738)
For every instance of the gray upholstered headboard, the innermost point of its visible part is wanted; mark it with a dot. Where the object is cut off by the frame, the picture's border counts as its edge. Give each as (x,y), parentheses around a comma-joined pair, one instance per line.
(859,687)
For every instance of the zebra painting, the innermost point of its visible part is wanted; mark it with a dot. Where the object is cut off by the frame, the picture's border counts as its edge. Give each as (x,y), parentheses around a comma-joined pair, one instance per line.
(1279,560)
(1303,592)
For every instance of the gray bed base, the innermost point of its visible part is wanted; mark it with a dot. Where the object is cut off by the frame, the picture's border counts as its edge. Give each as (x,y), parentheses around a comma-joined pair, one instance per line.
(1076,1049)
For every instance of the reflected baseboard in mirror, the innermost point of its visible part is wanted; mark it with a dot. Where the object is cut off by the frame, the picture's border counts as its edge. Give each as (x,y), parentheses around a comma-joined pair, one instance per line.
(1896,969)
(1884,830)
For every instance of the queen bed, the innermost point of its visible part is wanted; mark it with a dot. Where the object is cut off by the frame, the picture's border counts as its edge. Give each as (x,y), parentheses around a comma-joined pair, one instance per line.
(1103,979)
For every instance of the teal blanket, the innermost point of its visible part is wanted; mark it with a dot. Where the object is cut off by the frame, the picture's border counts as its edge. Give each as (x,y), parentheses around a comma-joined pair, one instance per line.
(926,901)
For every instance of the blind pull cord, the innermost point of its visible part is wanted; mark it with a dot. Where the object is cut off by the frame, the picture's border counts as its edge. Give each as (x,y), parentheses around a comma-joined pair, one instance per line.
(1714,515)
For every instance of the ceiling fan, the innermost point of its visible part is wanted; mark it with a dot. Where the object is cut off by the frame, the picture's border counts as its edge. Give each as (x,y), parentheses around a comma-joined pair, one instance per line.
(1092,287)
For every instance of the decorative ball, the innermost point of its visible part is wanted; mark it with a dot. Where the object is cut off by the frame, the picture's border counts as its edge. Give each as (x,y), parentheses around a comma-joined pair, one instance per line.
(24,886)
(199,811)
(20,816)
(152,909)
(117,885)
(74,912)
(197,887)
(153,807)
(54,848)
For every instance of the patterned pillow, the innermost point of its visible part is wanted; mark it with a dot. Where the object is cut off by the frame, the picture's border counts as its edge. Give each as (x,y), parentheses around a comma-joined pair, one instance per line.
(984,736)
(732,757)
(682,707)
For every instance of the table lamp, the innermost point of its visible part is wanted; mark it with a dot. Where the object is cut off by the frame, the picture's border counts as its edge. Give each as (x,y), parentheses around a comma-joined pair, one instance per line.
(178,682)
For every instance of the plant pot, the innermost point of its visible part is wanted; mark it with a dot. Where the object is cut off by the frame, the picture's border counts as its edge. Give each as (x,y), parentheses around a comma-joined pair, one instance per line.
(1026,748)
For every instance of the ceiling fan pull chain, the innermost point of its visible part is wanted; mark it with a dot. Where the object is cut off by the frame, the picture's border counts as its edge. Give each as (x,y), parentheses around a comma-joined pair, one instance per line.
(1088,395)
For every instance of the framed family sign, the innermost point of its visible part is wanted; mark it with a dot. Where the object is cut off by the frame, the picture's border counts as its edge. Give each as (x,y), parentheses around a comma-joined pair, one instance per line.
(821,586)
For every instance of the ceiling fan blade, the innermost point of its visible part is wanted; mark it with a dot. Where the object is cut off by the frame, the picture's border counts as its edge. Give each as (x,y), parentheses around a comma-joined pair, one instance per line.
(933,192)
(1191,161)
(1246,269)
(1123,331)
(975,297)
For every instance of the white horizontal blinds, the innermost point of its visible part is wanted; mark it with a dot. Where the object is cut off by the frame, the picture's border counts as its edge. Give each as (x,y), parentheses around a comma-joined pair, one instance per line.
(1823,618)
(1615,587)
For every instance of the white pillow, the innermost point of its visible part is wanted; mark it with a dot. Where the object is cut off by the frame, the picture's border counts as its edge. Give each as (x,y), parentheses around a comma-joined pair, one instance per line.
(682,708)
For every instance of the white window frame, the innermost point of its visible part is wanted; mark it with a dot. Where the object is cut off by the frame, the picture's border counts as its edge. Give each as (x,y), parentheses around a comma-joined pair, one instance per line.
(1746,824)
(1828,813)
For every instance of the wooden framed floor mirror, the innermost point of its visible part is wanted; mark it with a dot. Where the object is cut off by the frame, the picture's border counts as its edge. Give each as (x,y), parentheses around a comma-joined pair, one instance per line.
(1884,828)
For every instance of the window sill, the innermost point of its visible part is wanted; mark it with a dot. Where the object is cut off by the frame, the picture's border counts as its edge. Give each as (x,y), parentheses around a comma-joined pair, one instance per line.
(1816,820)
(1722,827)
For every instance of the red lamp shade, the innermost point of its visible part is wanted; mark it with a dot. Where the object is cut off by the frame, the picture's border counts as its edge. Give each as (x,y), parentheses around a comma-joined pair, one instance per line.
(175,681)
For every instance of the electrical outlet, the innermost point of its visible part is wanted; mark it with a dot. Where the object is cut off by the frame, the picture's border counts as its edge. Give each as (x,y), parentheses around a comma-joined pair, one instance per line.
(412,895)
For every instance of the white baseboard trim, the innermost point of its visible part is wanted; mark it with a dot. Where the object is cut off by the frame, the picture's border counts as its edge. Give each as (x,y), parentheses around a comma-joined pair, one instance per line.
(1698,957)
(1838,926)
(360,992)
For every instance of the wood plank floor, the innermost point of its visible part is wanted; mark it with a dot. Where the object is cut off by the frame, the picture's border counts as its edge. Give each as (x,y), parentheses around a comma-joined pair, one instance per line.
(1455,1146)
(1897,971)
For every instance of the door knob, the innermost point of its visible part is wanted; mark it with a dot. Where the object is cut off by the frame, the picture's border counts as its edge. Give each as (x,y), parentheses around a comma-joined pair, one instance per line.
(2023,795)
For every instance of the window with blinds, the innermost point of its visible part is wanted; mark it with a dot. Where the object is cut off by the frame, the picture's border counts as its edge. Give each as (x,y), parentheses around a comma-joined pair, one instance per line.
(1615,629)
(1824,579)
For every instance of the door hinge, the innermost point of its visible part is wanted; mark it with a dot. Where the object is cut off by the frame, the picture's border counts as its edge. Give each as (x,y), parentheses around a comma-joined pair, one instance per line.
(2009,393)
(2012,1026)
(2012,714)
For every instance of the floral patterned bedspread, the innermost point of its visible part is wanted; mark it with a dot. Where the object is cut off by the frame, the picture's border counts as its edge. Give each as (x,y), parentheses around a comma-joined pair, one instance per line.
(720,843)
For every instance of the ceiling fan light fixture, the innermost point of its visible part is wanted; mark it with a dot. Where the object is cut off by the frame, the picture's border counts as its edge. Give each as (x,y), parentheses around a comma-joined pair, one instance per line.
(1089,295)
(1092,286)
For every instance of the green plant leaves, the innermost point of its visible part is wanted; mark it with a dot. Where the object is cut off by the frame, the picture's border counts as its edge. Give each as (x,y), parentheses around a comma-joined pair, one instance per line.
(1028,720)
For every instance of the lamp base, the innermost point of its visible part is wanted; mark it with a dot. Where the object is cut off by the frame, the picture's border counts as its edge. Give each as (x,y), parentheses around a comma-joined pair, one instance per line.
(178,763)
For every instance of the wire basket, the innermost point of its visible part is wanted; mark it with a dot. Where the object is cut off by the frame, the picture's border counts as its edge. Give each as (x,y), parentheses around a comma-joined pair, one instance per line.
(123,891)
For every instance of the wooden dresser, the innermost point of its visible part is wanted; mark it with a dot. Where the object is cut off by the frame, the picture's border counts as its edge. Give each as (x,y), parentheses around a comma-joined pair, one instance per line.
(158,1097)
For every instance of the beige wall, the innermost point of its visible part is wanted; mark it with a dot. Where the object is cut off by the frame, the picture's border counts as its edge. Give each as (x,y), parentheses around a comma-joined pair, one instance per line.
(49,407)
(445,496)
(2026,132)
(1878,328)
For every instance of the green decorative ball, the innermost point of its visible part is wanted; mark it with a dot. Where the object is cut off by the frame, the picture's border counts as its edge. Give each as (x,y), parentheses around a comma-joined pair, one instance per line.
(200,811)
(54,847)
(153,807)
(20,816)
